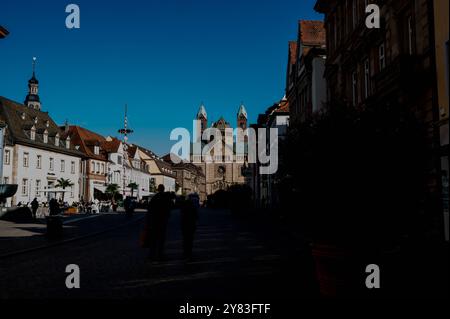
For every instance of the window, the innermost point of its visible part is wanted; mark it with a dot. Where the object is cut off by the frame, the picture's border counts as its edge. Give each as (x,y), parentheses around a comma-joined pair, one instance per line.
(102,169)
(51,164)
(366,78)
(6,180)
(63,165)
(96,150)
(98,168)
(24,187)
(33,134)
(381,57)
(57,140)
(119,160)
(45,137)
(92,167)
(68,142)
(72,167)
(354,88)
(38,187)
(39,161)
(7,157)
(410,35)
(26,157)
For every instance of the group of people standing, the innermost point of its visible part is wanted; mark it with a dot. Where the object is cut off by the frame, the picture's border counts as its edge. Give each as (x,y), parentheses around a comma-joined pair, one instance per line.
(54,206)
(157,218)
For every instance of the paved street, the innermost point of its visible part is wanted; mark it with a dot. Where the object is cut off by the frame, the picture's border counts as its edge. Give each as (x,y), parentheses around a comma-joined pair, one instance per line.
(234,259)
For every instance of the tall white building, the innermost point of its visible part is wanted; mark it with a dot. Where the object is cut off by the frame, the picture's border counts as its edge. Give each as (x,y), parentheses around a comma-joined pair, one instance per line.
(35,154)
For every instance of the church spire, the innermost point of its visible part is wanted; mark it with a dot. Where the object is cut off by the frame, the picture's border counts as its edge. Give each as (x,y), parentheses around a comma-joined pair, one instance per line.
(203,118)
(32,99)
(202,112)
(242,111)
(242,117)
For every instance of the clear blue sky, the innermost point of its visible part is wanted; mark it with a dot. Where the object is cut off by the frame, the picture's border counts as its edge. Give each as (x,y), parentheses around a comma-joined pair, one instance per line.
(162,57)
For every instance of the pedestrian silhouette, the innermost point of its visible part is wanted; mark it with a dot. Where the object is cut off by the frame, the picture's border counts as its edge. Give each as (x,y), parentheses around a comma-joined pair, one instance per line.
(129,206)
(34,207)
(157,218)
(53,207)
(189,216)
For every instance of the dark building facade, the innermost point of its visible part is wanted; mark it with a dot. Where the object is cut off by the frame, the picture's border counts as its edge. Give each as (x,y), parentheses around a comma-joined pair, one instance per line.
(389,66)
(305,83)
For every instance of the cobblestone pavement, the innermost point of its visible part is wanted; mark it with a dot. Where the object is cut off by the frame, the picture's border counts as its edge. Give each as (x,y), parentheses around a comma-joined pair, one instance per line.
(238,259)
(16,236)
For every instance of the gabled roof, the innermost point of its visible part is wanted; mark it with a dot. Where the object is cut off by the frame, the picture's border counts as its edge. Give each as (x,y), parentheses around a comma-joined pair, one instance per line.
(292,58)
(183,164)
(87,140)
(164,167)
(20,119)
(221,124)
(111,144)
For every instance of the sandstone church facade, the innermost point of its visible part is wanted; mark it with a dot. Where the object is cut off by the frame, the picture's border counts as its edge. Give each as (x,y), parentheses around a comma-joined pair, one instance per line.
(226,171)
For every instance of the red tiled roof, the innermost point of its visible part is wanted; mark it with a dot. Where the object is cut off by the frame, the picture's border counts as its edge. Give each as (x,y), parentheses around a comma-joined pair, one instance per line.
(86,139)
(292,52)
(111,146)
(312,32)
(283,107)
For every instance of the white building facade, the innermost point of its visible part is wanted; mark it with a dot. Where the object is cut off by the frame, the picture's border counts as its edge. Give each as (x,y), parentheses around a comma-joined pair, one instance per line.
(36,172)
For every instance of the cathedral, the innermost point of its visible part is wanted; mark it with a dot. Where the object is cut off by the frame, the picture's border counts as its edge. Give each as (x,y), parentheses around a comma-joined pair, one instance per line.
(227,170)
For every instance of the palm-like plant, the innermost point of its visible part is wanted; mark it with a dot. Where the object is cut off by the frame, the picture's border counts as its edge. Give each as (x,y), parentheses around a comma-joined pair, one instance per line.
(63,183)
(112,190)
(133,186)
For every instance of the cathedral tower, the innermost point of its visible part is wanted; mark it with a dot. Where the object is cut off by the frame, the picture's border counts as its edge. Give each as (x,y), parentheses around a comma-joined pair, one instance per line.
(203,118)
(242,117)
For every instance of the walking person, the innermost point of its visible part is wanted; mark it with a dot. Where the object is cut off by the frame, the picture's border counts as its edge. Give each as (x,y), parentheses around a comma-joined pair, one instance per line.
(157,218)
(189,216)
(34,207)
(53,207)
(129,206)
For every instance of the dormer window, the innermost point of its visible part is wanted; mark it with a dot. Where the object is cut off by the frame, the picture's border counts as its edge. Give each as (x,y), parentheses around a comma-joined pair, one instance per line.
(23,115)
(35,120)
(45,136)
(33,133)
(68,142)
(57,139)
(96,150)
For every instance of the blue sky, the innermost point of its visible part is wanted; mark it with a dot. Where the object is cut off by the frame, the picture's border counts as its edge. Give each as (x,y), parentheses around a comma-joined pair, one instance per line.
(161,57)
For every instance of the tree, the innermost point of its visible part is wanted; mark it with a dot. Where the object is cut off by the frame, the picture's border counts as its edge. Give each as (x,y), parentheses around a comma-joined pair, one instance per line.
(133,186)
(63,183)
(112,190)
